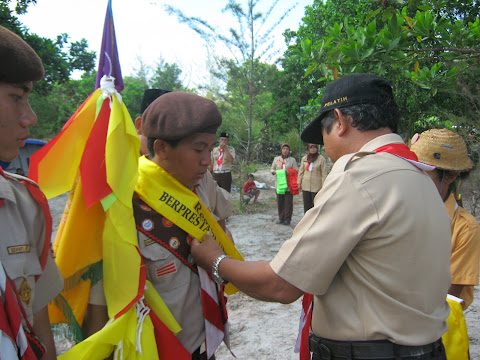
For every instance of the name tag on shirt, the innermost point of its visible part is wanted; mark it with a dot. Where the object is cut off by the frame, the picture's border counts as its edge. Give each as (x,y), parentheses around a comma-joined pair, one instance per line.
(19,249)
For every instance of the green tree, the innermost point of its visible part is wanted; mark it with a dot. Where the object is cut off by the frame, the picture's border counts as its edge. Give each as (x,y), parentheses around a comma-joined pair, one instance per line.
(60,58)
(429,52)
(167,76)
(248,44)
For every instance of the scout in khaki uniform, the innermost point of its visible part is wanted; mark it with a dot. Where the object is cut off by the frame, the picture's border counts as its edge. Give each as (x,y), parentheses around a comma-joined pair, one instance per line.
(447,151)
(222,159)
(285,200)
(311,175)
(180,131)
(374,250)
(26,264)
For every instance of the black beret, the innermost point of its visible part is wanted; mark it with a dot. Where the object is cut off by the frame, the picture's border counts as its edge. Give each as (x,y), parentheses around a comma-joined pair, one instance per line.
(349,90)
(18,61)
(149,96)
(176,115)
(224,135)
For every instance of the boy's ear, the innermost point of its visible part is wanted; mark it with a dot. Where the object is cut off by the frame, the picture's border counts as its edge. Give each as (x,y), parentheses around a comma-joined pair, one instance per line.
(161,148)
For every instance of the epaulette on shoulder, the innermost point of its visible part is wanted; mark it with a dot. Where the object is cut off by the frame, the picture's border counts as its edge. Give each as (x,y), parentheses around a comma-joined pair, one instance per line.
(20,178)
(356,156)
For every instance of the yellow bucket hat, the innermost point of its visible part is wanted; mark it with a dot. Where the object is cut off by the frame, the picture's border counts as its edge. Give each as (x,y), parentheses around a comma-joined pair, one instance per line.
(442,148)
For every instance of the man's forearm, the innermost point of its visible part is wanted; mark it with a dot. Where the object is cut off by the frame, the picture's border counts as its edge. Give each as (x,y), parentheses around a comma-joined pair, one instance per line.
(258,280)
(41,326)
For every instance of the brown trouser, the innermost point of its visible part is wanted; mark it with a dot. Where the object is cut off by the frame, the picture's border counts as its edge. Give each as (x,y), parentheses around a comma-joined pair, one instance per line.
(224,180)
(308,197)
(285,206)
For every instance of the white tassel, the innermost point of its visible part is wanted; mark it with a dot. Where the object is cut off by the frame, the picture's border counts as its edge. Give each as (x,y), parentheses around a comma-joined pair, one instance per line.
(118,355)
(142,312)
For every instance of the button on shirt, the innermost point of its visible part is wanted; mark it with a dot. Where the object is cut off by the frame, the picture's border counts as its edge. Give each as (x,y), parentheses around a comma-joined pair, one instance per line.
(374,251)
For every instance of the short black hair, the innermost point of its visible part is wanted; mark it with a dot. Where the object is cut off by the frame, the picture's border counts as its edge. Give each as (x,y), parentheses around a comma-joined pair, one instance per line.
(151,141)
(250,176)
(367,117)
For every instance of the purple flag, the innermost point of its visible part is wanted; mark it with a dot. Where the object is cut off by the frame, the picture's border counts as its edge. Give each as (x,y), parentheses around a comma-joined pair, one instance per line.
(109,64)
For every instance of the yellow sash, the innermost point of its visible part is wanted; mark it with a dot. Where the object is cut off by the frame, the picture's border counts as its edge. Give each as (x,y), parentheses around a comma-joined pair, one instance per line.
(180,205)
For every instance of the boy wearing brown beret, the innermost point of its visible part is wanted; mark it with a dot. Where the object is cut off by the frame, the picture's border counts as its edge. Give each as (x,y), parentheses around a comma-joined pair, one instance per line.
(180,131)
(29,277)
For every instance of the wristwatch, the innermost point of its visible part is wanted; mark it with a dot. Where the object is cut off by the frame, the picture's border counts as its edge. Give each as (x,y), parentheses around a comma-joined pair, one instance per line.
(216,276)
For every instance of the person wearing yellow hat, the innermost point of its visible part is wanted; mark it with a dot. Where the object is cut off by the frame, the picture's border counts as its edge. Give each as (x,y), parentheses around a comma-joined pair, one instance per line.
(447,151)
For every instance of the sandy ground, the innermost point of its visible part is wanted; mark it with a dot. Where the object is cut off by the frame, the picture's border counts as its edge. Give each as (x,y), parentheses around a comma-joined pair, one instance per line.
(260,330)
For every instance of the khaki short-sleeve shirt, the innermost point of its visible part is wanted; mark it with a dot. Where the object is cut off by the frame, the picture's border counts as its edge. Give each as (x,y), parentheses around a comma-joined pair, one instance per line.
(226,165)
(179,289)
(374,251)
(22,239)
(283,163)
(465,249)
(312,179)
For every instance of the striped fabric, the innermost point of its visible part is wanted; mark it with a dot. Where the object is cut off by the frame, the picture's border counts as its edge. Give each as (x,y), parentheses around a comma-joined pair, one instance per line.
(13,341)
(214,312)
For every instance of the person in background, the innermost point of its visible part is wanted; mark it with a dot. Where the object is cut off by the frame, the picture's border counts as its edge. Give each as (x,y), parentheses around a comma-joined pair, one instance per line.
(447,151)
(222,158)
(27,268)
(374,250)
(285,200)
(149,96)
(250,190)
(311,175)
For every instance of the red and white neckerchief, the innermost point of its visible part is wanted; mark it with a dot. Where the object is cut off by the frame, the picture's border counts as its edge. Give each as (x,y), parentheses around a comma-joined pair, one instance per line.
(214,311)
(283,165)
(2,173)
(220,160)
(305,327)
(14,342)
(309,166)
(400,150)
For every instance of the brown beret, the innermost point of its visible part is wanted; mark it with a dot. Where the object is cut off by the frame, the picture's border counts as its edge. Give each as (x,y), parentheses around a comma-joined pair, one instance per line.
(18,61)
(176,115)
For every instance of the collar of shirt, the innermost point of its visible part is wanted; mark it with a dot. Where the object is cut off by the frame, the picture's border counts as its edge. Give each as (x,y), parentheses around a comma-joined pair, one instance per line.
(6,191)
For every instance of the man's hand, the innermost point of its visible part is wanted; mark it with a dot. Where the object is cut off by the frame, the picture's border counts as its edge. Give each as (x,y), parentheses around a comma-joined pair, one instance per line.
(206,252)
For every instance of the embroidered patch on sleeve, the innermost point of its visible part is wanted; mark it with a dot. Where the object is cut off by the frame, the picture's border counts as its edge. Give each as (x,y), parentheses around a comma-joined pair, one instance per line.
(167,269)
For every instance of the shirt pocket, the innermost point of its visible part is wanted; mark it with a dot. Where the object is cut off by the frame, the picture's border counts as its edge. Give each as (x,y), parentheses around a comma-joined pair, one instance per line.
(23,265)
(164,270)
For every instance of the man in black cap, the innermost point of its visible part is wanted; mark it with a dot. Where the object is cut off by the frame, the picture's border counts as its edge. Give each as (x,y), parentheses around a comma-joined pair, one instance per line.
(222,158)
(373,251)
(180,132)
(29,277)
